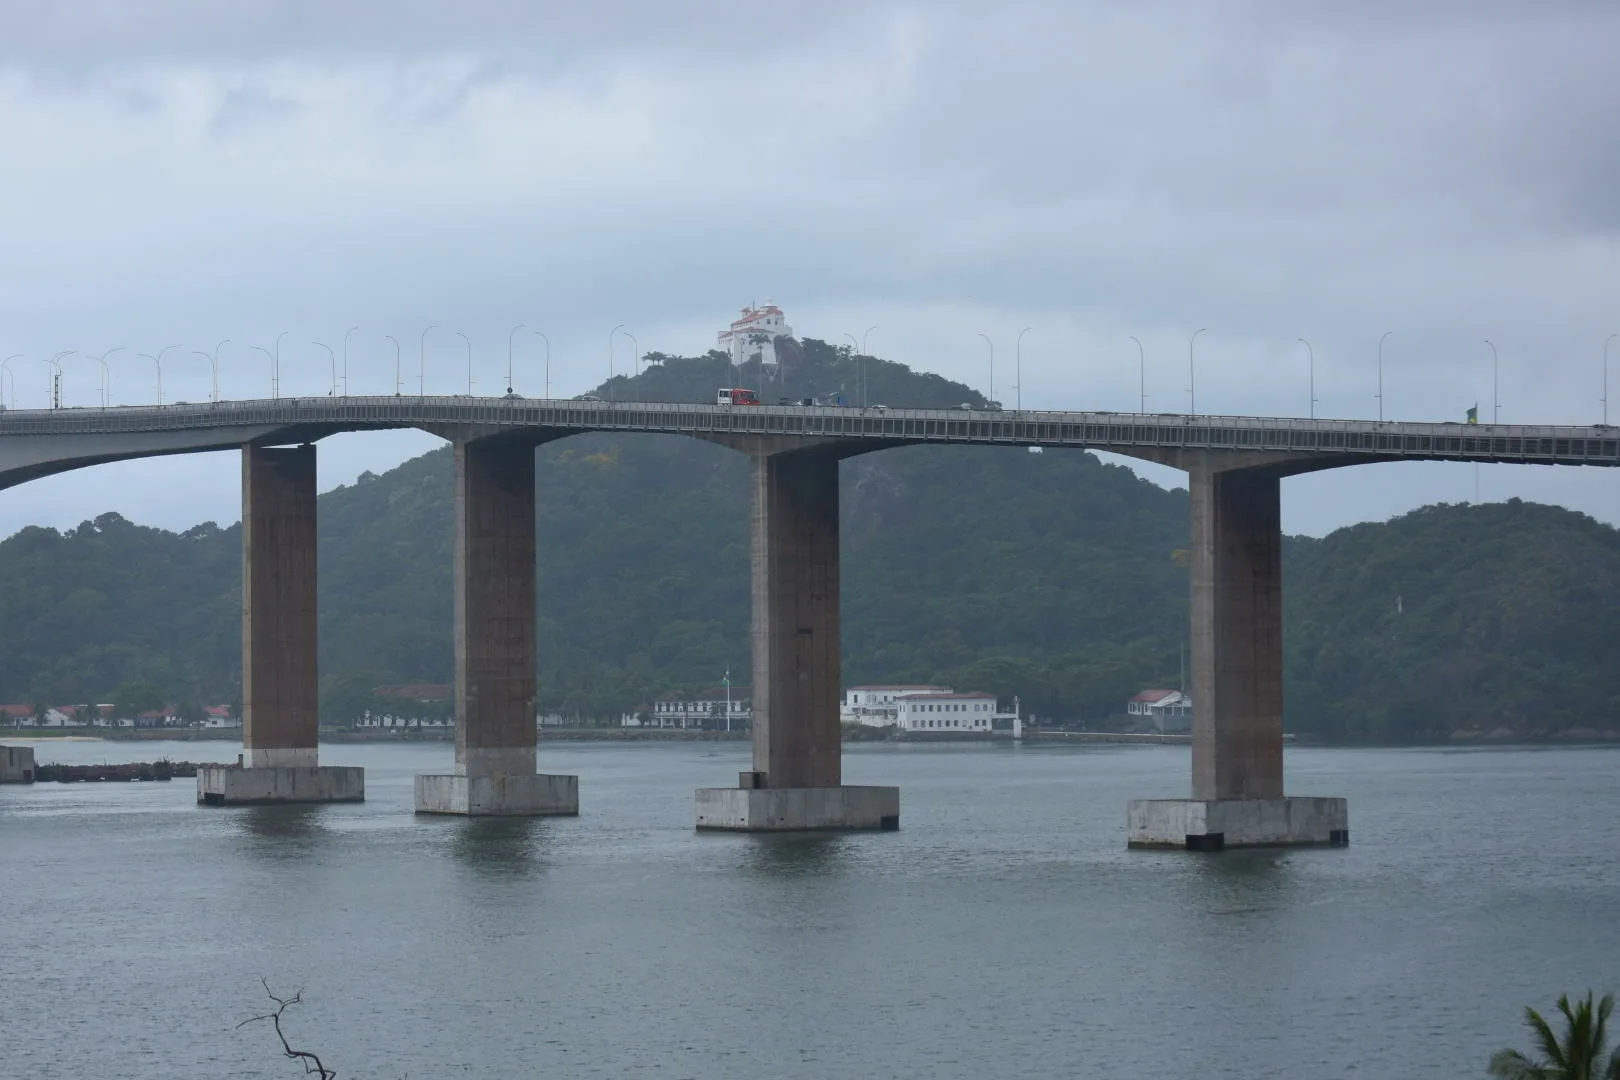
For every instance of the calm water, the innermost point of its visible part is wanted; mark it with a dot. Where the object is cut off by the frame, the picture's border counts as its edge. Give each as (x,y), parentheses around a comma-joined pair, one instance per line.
(1004,931)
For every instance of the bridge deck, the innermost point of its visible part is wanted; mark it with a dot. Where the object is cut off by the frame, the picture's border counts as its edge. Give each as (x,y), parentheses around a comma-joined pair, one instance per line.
(1123,432)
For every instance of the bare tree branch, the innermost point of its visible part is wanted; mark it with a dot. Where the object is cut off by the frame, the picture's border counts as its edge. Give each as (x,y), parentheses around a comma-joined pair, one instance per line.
(310,1062)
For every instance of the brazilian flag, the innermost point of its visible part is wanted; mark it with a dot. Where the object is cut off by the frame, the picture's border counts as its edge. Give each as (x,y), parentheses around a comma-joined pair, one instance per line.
(1473,414)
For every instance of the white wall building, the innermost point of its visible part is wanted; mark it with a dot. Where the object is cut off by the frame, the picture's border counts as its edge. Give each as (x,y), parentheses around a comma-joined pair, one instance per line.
(1167,711)
(703,710)
(875,706)
(917,707)
(754,334)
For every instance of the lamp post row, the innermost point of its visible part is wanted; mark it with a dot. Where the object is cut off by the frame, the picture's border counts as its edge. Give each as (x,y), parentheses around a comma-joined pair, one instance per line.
(337,379)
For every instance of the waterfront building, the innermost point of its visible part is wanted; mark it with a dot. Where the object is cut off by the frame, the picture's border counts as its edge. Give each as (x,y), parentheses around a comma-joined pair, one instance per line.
(1166,711)
(924,707)
(704,710)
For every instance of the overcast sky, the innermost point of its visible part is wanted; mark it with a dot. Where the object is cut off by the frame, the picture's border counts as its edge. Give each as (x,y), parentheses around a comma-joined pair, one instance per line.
(186,172)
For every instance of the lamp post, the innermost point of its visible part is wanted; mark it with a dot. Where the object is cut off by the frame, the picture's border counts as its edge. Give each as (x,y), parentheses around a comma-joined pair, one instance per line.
(636,345)
(1192,396)
(157,362)
(333,357)
(860,369)
(1380,394)
(1141,375)
(468,341)
(1606,341)
(992,395)
(214,361)
(56,374)
(611,335)
(5,366)
(1496,398)
(346,334)
(509,334)
(275,370)
(106,374)
(1312,353)
(395,340)
(547,340)
(864,355)
(421,369)
(1018,369)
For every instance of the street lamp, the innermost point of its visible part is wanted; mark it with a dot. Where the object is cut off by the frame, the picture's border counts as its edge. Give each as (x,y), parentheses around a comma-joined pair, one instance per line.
(333,357)
(636,345)
(468,340)
(1380,394)
(611,335)
(214,360)
(56,370)
(861,366)
(1606,341)
(5,366)
(421,370)
(275,371)
(1018,369)
(1192,397)
(210,359)
(509,334)
(1141,374)
(391,337)
(1312,353)
(158,363)
(992,397)
(547,340)
(1496,398)
(346,334)
(106,375)
(864,355)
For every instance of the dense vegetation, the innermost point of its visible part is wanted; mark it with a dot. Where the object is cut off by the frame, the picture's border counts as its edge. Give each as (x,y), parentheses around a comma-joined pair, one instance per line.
(1052,576)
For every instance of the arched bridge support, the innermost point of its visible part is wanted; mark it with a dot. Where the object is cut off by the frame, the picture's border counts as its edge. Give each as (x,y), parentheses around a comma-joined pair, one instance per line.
(280,680)
(494,772)
(796,782)
(1237,677)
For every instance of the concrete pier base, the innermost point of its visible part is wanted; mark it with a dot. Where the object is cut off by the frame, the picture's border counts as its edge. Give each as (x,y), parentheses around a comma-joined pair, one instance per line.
(499,795)
(231,785)
(788,809)
(1213,824)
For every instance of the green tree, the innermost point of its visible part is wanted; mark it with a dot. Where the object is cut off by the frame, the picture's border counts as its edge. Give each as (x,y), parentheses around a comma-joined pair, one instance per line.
(1580,1054)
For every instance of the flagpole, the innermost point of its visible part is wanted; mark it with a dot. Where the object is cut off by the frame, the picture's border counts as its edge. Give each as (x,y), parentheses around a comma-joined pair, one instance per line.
(728,700)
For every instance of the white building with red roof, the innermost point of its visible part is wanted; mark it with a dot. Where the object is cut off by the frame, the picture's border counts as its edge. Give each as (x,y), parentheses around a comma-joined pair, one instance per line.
(924,707)
(1165,710)
(753,335)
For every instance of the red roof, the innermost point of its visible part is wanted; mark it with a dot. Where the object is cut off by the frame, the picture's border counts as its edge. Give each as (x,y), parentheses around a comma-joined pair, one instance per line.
(1151,696)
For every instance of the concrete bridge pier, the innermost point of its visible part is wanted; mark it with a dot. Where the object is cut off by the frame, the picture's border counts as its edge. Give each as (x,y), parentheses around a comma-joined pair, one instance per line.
(495,644)
(796,779)
(1237,681)
(280,697)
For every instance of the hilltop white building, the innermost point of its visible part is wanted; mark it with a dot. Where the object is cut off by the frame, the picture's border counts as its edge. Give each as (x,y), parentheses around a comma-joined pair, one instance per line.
(754,334)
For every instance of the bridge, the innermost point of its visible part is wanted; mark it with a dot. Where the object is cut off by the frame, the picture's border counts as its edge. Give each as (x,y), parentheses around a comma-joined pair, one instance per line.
(1235,466)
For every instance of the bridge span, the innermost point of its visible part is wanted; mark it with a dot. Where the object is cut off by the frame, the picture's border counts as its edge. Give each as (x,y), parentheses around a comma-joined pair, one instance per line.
(1235,466)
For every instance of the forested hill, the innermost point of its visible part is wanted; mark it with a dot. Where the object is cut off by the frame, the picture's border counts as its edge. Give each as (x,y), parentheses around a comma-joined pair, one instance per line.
(1052,576)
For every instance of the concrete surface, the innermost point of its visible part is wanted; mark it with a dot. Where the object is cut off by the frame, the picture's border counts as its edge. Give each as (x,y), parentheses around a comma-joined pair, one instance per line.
(1213,824)
(498,795)
(230,785)
(790,809)
(795,628)
(16,765)
(280,678)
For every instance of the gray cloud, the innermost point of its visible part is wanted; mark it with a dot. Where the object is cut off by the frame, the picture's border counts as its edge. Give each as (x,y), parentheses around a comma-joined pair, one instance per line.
(197,171)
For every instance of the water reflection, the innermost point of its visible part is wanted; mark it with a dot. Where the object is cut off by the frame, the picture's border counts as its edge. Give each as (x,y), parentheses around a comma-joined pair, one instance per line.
(282,832)
(500,846)
(793,855)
